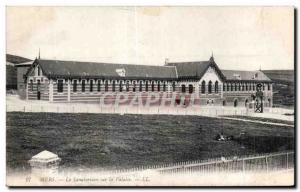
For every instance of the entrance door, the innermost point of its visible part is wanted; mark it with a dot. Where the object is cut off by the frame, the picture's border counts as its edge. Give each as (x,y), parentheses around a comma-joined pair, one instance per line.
(38,90)
(38,95)
(235,103)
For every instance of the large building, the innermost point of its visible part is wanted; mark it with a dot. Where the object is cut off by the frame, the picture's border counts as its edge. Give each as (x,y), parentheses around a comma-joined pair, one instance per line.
(70,81)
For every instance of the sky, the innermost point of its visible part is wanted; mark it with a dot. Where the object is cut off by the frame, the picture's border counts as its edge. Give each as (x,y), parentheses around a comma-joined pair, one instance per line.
(241,38)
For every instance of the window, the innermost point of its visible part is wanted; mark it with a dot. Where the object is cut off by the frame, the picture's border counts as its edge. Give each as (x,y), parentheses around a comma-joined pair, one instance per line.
(269,87)
(152,86)
(158,86)
(39,70)
(224,87)
(127,86)
(60,86)
(134,86)
(183,88)
(203,87)
(250,87)
(235,87)
(173,86)
(38,85)
(120,86)
(253,87)
(113,86)
(91,85)
(146,86)
(209,87)
(31,85)
(106,86)
(243,87)
(232,87)
(99,86)
(216,87)
(141,86)
(191,89)
(246,87)
(263,86)
(75,86)
(83,86)
(164,87)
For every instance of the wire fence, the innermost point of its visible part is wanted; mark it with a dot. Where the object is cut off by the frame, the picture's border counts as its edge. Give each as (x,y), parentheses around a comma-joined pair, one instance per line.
(252,163)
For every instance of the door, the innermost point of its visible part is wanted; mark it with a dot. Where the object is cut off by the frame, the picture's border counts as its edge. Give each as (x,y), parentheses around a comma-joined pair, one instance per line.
(235,103)
(38,90)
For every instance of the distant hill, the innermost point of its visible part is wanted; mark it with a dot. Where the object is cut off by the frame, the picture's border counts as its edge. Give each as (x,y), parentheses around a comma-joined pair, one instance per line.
(16,59)
(283,89)
(11,70)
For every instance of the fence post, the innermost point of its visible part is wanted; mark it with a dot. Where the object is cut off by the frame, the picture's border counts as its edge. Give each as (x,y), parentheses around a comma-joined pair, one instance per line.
(267,164)
(243,165)
(287,160)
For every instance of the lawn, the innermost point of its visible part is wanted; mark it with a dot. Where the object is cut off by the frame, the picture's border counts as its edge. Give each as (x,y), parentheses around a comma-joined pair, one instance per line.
(110,140)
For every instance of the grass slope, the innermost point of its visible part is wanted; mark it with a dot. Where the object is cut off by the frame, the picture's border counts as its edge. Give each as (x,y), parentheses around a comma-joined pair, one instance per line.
(106,140)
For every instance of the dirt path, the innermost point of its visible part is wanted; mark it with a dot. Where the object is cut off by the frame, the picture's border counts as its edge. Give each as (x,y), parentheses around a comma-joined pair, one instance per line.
(256,121)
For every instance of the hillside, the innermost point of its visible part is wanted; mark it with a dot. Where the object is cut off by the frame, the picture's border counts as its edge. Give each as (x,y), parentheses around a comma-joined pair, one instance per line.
(284,90)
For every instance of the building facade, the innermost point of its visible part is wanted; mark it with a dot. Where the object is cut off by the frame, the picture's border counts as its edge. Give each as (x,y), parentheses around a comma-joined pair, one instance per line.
(70,81)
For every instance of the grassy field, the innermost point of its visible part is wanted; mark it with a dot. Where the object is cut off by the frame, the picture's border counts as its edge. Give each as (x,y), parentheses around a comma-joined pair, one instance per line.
(106,140)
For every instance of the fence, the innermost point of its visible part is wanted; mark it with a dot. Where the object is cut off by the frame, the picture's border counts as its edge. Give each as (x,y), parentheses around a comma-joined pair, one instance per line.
(252,163)
(94,108)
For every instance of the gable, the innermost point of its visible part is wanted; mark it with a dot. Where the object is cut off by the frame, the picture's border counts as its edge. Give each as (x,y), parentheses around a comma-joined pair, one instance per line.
(211,74)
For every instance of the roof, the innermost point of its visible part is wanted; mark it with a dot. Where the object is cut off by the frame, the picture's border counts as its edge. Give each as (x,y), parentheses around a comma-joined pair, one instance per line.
(57,68)
(45,156)
(245,75)
(16,59)
(194,69)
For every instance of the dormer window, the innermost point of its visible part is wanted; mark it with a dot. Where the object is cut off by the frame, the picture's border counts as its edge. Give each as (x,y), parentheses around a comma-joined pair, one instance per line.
(237,76)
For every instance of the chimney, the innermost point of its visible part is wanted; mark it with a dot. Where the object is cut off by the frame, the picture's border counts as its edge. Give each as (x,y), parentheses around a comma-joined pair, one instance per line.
(166,61)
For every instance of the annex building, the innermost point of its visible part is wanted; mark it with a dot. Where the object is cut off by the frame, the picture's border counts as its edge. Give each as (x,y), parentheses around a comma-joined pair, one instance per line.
(72,81)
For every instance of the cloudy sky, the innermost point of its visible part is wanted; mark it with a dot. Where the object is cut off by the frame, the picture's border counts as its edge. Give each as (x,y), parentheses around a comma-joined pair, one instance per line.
(240,38)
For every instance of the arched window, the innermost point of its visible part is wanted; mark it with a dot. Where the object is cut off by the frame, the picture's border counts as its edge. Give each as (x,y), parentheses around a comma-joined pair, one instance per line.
(158,86)
(203,87)
(191,89)
(235,87)
(120,86)
(253,87)
(183,88)
(231,87)
(31,85)
(173,86)
(83,86)
(113,86)
(127,86)
(216,87)
(134,86)
(224,87)
(269,87)
(146,88)
(91,85)
(106,86)
(250,87)
(164,87)
(263,86)
(99,86)
(239,87)
(152,86)
(209,87)
(141,86)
